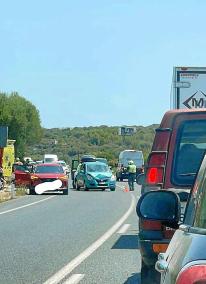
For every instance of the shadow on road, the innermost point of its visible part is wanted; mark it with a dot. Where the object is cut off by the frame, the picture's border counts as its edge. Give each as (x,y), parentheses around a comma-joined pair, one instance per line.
(127,242)
(133,279)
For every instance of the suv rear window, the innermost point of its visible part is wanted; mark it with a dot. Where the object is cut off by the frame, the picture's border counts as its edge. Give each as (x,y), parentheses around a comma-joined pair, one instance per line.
(190,149)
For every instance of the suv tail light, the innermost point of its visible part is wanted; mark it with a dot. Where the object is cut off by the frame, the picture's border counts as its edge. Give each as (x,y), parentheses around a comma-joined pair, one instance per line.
(155,168)
(195,274)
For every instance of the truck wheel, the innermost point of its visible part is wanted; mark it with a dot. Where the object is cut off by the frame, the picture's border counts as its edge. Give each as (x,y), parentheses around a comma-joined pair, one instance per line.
(149,275)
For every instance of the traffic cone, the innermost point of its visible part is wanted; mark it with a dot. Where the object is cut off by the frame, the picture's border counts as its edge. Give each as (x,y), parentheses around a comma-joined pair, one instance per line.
(126,189)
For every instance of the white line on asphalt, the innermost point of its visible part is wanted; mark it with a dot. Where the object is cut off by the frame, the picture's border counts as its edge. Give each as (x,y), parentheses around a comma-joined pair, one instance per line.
(27,205)
(74,279)
(68,268)
(123,229)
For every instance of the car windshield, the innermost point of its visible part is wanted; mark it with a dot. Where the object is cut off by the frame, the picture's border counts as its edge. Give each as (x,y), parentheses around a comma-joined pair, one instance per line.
(49,169)
(97,168)
(22,168)
(62,163)
(102,160)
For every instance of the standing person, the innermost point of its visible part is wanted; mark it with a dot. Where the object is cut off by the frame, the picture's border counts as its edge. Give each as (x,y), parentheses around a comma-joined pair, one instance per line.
(132,174)
(18,162)
(2,180)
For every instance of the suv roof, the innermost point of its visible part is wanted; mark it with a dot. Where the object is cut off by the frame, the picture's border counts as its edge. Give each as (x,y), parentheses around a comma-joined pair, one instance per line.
(169,116)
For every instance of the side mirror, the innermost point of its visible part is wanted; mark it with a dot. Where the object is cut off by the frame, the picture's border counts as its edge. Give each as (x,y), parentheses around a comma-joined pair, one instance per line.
(141,179)
(160,205)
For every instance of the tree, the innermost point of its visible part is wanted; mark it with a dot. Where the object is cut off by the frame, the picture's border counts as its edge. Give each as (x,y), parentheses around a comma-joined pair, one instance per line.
(22,119)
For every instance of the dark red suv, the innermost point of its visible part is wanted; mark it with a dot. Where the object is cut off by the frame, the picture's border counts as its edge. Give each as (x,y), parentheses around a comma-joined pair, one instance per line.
(176,155)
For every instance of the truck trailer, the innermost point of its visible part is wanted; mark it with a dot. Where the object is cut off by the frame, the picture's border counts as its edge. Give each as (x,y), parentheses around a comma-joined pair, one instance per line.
(188,88)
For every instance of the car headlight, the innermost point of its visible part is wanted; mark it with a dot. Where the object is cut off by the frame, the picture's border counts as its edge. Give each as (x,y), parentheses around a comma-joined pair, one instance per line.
(64,178)
(34,177)
(90,178)
(113,178)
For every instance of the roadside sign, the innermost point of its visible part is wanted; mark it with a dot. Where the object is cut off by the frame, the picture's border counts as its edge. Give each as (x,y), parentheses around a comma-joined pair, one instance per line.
(126,130)
(3,136)
(8,158)
(189,87)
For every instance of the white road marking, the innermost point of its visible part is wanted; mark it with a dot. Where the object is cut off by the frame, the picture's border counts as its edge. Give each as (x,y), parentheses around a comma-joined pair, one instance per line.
(24,206)
(74,279)
(123,229)
(68,268)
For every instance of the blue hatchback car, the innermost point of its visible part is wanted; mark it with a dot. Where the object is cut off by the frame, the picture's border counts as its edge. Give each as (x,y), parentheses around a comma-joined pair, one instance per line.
(94,175)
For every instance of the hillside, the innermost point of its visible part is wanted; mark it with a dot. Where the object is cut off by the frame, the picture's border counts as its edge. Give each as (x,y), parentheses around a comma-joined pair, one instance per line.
(102,141)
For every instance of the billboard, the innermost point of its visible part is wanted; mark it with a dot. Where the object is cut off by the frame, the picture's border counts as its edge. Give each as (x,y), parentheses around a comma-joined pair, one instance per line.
(189,87)
(126,130)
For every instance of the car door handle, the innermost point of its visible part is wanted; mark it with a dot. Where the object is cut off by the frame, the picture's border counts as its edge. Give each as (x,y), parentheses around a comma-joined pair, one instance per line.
(161,266)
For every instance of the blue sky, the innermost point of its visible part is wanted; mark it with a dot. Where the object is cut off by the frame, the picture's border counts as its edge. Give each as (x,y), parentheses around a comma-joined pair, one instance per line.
(98,62)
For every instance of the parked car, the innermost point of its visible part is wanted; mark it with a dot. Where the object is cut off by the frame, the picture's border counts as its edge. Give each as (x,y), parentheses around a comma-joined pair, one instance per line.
(184,262)
(21,174)
(48,173)
(64,166)
(94,175)
(75,164)
(177,151)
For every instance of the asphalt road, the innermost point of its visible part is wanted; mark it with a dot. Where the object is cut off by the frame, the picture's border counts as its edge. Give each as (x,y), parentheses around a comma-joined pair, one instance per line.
(85,237)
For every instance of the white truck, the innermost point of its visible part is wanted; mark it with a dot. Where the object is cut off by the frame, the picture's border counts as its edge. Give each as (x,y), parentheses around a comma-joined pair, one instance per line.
(50,158)
(126,156)
(188,88)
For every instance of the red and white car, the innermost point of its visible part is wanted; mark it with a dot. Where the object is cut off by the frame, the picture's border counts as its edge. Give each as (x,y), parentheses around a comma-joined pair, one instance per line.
(21,175)
(49,173)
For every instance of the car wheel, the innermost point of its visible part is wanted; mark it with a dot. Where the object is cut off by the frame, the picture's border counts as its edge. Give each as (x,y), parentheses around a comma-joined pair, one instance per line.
(85,187)
(103,189)
(112,189)
(149,275)
(121,179)
(31,190)
(65,191)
